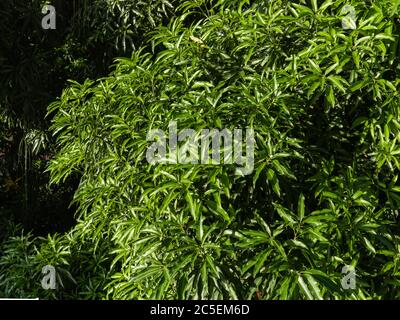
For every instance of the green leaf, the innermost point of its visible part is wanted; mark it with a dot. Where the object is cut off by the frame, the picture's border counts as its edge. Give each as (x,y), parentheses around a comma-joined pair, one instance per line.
(369,246)
(272,178)
(330,97)
(314,286)
(338,82)
(359,85)
(383,36)
(304,288)
(301,207)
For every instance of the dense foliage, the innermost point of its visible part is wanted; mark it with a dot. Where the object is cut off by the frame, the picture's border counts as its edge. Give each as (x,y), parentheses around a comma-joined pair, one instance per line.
(35,65)
(323,103)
